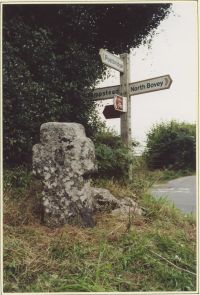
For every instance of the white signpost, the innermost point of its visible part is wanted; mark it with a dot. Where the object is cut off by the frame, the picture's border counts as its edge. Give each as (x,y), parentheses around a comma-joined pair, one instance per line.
(105,92)
(149,85)
(124,91)
(111,60)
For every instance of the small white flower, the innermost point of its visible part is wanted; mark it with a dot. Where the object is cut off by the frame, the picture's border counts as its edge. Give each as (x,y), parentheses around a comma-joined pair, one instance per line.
(177,258)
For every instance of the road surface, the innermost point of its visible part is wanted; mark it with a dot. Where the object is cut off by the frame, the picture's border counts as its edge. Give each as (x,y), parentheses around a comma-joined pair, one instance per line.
(181,191)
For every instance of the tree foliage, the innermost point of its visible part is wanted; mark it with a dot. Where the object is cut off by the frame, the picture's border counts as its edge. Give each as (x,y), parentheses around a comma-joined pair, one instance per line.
(51,63)
(171,145)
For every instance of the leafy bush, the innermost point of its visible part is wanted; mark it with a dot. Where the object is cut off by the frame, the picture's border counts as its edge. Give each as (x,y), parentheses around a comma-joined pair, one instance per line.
(113,157)
(171,145)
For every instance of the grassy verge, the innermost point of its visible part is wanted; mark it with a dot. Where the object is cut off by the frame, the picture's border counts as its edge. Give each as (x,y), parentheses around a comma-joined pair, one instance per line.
(156,253)
(159,175)
(166,175)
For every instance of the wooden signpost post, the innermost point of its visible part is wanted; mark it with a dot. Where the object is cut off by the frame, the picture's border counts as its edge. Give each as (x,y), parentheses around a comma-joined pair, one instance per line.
(126,117)
(126,89)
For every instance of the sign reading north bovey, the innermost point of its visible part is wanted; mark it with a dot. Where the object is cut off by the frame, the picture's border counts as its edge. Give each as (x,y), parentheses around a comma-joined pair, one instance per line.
(140,87)
(120,103)
(149,85)
(111,60)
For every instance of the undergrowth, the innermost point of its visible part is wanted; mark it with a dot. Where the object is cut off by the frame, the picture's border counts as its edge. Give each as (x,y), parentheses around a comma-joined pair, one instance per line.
(156,253)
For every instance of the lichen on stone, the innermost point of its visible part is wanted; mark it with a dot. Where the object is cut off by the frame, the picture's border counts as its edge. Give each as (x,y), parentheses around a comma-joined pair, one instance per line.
(64,155)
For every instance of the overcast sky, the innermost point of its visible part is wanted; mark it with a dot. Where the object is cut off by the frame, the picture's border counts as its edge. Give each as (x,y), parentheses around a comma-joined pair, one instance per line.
(173,51)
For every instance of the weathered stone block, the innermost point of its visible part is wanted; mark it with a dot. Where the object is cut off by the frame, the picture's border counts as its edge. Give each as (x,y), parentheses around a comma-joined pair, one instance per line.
(63,160)
(104,201)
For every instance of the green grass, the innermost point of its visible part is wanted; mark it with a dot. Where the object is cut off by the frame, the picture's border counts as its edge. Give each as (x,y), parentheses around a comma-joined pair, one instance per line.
(166,175)
(105,258)
(143,174)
